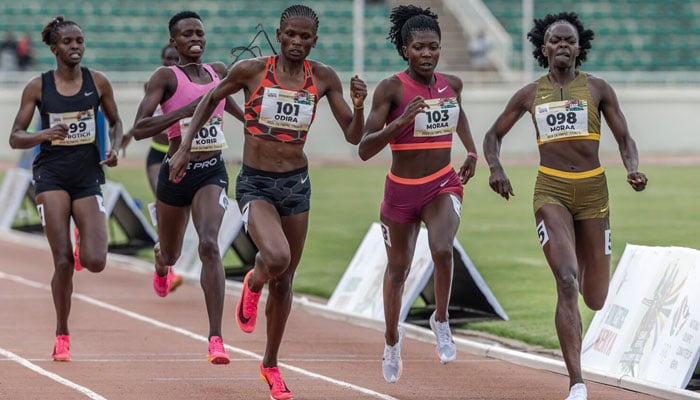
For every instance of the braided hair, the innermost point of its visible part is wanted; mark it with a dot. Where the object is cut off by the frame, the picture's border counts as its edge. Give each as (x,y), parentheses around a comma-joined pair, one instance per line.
(537,33)
(299,10)
(49,34)
(179,17)
(406,20)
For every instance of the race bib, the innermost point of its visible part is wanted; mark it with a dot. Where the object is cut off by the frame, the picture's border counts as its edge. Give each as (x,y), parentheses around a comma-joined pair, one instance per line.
(562,119)
(210,136)
(287,109)
(81,127)
(439,119)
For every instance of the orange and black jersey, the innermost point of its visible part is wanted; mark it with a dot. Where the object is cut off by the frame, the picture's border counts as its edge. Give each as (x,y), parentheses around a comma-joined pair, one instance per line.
(276,112)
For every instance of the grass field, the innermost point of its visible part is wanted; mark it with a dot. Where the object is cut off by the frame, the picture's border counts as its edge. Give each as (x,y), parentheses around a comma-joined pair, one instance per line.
(498,235)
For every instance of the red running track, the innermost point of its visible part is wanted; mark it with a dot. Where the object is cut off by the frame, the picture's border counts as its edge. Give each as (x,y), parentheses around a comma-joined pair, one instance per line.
(127,343)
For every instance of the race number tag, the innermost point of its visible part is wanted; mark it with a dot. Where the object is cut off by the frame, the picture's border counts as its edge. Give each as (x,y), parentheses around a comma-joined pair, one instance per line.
(210,137)
(287,109)
(440,118)
(562,119)
(81,127)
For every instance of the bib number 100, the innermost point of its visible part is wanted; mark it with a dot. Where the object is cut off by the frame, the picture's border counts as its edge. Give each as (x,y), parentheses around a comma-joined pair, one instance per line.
(207,131)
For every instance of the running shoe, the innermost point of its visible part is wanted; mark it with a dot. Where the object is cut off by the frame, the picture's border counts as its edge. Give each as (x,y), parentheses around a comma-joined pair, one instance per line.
(278,389)
(247,306)
(161,284)
(76,250)
(446,350)
(392,366)
(217,353)
(578,392)
(175,280)
(61,350)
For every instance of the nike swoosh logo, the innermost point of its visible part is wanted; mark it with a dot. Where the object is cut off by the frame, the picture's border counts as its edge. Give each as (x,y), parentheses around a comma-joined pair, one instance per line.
(546,96)
(304,179)
(440,90)
(444,183)
(88,94)
(241,317)
(604,209)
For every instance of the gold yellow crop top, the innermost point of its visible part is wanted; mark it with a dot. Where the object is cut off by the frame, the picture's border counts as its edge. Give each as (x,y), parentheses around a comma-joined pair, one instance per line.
(566,113)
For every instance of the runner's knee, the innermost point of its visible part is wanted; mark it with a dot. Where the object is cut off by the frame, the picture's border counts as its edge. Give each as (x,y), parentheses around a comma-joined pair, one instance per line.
(567,282)
(276,259)
(208,249)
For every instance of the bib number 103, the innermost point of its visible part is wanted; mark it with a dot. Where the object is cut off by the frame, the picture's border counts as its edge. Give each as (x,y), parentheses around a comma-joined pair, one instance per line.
(437,116)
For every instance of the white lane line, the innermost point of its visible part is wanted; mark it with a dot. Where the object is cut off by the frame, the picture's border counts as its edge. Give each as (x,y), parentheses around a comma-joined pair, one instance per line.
(63,381)
(195,336)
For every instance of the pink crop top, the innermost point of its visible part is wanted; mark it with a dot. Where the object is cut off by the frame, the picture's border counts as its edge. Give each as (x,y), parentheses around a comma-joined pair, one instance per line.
(186,92)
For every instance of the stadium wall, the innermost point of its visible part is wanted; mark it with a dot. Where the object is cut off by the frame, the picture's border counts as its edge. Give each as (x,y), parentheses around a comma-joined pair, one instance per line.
(660,120)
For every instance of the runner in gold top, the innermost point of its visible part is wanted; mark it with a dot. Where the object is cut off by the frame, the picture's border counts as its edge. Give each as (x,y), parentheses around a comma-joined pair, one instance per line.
(571,195)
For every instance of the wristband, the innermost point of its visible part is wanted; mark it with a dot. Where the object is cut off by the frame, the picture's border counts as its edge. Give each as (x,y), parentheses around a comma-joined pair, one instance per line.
(359,108)
(473,155)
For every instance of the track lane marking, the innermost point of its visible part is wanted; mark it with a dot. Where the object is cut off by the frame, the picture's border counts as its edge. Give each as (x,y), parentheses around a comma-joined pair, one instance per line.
(192,335)
(63,381)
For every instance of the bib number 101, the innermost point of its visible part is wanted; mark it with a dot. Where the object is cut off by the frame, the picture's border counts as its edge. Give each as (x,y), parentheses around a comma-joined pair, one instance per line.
(287,108)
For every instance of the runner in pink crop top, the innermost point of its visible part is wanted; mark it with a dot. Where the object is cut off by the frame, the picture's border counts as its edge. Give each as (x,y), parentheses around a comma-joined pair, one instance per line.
(440,136)
(186,92)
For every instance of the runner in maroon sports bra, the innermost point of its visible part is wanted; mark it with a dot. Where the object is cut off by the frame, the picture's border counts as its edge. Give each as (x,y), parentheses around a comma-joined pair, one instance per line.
(416,112)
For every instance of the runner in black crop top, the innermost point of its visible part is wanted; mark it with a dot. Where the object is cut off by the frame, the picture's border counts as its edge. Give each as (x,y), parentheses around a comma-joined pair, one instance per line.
(68,170)
(279,239)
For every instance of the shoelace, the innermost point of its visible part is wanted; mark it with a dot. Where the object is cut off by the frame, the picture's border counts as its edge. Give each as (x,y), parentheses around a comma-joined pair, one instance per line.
(61,345)
(250,303)
(391,353)
(443,332)
(278,382)
(217,345)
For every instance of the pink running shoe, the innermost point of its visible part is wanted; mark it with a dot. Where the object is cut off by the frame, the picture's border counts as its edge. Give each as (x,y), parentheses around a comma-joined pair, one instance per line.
(61,350)
(247,306)
(161,284)
(175,280)
(278,389)
(76,251)
(217,353)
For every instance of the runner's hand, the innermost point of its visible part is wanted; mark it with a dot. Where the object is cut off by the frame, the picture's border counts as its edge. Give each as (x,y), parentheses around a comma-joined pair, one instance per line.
(637,180)
(500,184)
(178,166)
(111,158)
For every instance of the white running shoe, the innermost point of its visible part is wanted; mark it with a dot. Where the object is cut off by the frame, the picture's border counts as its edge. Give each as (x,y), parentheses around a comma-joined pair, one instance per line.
(578,392)
(391,362)
(446,349)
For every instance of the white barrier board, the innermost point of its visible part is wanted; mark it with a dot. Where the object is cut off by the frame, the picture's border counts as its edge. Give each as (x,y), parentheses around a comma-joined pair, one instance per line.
(189,264)
(649,327)
(360,289)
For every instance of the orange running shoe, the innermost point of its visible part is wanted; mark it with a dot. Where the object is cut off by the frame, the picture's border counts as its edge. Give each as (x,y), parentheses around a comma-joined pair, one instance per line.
(61,350)
(161,284)
(217,353)
(175,280)
(247,306)
(76,250)
(278,389)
